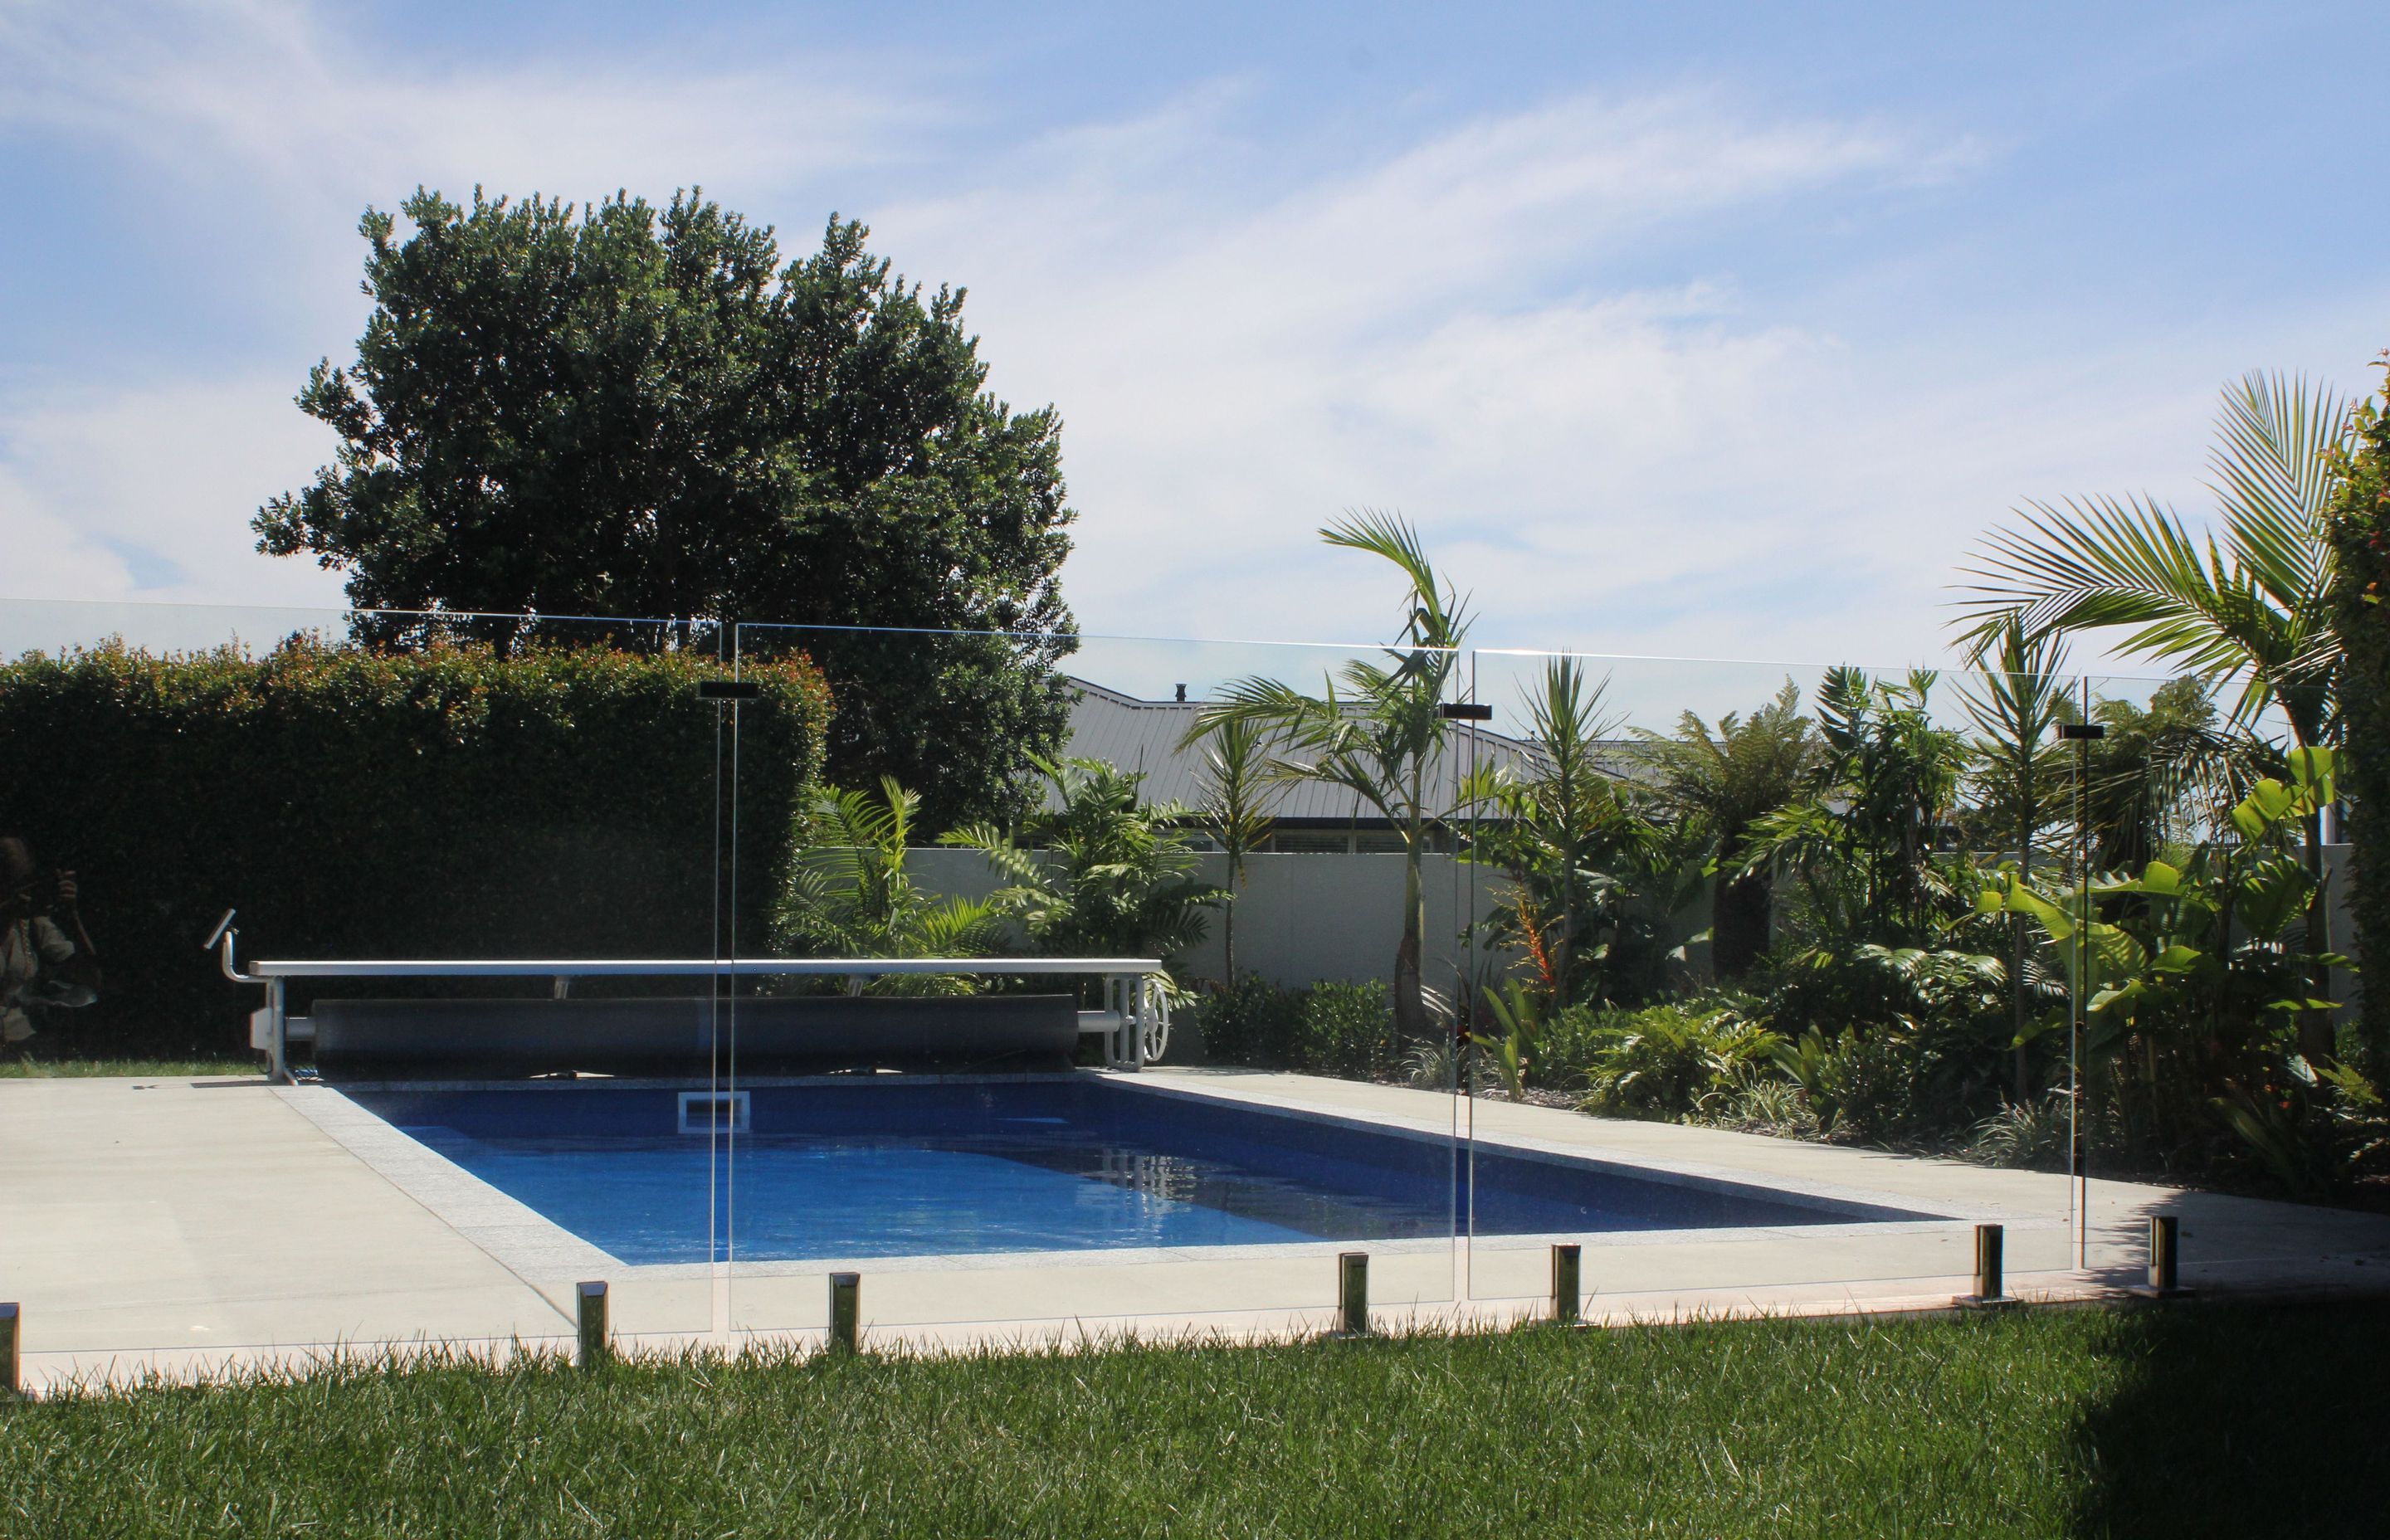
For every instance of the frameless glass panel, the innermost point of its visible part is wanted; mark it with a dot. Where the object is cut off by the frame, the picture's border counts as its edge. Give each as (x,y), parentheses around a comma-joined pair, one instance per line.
(459,853)
(2215,1014)
(1185,1050)
(1750,1036)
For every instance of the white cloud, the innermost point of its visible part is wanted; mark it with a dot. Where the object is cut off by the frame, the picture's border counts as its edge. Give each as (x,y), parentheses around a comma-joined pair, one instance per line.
(263,87)
(1470,329)
(147,495)
(1438,331)
(110,490)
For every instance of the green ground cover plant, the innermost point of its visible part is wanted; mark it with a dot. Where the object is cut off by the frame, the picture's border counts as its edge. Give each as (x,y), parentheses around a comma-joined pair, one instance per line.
(2203,1421)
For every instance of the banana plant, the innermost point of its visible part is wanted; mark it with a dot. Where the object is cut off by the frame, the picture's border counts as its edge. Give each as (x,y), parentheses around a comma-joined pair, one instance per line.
(2194,972)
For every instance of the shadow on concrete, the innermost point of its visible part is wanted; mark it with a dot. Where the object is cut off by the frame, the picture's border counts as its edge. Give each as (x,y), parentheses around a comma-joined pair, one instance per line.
(2244,1421)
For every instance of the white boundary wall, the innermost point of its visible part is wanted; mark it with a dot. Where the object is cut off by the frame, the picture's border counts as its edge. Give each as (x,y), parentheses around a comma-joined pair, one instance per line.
(1300,919)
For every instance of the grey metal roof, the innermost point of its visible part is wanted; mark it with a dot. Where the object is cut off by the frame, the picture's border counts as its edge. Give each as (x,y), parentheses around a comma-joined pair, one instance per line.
(1144,735)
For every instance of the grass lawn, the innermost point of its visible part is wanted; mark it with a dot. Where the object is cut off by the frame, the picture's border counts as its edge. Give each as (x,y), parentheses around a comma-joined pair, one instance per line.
(2193,1420)
(17,1067)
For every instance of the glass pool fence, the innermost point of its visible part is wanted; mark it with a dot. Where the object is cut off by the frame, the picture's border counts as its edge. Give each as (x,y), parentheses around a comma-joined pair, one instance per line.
(1035,980)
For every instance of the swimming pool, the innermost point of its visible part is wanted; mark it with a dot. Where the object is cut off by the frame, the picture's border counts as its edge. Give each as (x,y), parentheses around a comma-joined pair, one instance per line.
(881,1167)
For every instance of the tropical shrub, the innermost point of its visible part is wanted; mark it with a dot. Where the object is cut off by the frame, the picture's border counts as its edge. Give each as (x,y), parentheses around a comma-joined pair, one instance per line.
(1346,1030)
(2359,534)
(1433,1065)
(1865,1085)
(2194,975)
(1719,784)
(2315,1144)
(1595,880)
(1502,1045)
(848,894)
(1897,1045)
(1251,1022)
(1568,1046)
(2033,1135)
(1099,873)
(1863,837)
(1660,1061)
(1759,1102)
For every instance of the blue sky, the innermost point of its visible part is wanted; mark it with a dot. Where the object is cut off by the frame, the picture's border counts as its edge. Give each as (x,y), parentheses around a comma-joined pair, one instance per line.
(1706,331)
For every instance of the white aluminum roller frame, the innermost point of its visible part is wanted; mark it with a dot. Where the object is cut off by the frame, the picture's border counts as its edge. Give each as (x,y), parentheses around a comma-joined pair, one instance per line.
(1135,1020)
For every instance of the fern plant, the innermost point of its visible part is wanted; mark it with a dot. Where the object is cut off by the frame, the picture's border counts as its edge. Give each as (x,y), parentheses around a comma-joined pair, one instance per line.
(1099,873)
(849,895)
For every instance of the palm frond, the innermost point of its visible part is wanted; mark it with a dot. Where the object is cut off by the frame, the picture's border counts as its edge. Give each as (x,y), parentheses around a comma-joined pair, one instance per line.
(1436,617)
(2254,607)
(2274,479)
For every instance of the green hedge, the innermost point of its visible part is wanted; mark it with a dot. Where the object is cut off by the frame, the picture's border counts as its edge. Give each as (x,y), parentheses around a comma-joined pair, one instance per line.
(449,802)
(2360,531)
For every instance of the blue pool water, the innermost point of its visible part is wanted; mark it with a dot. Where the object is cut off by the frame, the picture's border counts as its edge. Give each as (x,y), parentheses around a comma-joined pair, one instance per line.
(890,1169)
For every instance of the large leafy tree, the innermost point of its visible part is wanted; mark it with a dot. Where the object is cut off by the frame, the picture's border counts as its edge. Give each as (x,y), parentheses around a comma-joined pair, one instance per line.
(635,411)
(2250,604)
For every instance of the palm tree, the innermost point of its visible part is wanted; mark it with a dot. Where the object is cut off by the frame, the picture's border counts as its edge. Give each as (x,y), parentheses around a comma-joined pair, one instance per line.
(1728,779)
(1238,796)
(2254,610)
(1376,729)
(2021,774)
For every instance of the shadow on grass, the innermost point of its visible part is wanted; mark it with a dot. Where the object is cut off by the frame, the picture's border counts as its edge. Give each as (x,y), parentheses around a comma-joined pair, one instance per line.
(2241,1421)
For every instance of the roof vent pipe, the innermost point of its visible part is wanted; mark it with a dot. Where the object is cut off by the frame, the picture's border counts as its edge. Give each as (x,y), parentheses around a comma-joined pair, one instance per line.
(1182,693)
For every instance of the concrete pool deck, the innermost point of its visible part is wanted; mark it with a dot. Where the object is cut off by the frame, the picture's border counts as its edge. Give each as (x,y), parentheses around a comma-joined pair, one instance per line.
(174,1226)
